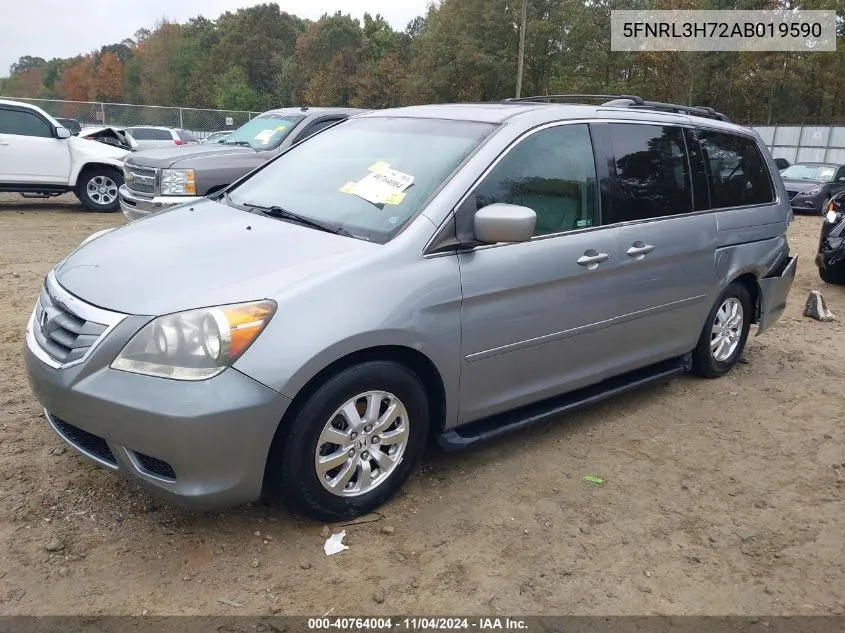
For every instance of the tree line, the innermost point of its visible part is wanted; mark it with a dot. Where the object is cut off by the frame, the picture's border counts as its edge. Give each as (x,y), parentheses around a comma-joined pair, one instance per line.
(260,58)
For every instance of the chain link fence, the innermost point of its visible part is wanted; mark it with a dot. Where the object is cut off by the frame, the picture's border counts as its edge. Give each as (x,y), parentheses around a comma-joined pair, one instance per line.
(201,122)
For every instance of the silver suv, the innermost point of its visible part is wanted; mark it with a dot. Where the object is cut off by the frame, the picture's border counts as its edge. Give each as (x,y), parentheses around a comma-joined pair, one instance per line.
(449,271)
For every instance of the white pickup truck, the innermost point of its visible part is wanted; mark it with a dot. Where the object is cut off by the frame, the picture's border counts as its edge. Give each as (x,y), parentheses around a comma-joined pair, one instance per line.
(40,158)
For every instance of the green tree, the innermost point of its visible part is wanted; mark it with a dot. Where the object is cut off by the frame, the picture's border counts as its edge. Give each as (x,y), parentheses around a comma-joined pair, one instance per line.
(233,91)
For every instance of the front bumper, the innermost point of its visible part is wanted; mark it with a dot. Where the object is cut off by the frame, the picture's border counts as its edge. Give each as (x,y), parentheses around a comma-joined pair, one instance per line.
(199,444)
(831,255)
(808,204)
(136,206)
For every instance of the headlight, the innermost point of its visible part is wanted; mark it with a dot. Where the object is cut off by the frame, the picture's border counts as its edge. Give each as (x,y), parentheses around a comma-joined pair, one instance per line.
(178,182)
(832,216)
(811,192)
(197,344)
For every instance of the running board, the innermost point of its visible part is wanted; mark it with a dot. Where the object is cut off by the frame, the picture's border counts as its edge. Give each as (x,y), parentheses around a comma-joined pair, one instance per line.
(488,428)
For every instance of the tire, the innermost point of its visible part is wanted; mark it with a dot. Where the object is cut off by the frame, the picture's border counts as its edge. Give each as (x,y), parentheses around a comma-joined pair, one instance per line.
(97,189)
(292,469)
(824,206)
(835,277)
(711,363)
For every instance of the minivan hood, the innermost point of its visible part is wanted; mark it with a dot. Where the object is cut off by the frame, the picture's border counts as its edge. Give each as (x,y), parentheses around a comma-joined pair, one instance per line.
(163,157)
(201,255)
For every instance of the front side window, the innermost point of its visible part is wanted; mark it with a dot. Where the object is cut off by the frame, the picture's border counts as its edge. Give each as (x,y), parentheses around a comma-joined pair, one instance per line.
(652,172)
(551,172)
(23,123)
(317,127)
(264,132)
(367,176)
(738,174)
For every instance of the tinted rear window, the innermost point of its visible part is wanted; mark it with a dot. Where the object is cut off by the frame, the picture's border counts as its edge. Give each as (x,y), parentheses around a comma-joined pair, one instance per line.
(150,134)
(738,173)
(652,172)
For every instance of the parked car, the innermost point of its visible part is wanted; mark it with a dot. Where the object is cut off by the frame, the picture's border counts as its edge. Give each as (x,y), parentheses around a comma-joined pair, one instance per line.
(830,259)
(72,125)
(781,163)
(217,137)
(448,271)
(163,178)
(810,186)
(150,136)
(40,158)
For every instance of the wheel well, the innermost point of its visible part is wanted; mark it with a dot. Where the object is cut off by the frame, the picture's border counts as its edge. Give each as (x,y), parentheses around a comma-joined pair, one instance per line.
(414,360)
(749,280)
(90,166)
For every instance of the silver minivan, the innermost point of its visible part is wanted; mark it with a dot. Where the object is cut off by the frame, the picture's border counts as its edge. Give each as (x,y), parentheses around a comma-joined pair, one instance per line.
(446,272)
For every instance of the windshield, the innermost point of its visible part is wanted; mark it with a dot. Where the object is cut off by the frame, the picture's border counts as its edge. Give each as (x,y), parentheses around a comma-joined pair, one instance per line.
(819,173)
(264,132)
(367,176)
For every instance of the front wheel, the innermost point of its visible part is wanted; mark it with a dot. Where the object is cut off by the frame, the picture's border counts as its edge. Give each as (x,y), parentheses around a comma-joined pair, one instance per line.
(824,206)
(836,277)
(97,189)
(725,332)
(353,443)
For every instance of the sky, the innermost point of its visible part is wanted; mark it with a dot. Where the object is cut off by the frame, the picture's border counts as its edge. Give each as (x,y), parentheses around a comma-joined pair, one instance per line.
(64,28)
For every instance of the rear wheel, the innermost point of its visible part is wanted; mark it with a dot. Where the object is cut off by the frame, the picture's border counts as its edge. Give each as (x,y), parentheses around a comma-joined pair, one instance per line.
(353,443)
(725,332)
(97,189)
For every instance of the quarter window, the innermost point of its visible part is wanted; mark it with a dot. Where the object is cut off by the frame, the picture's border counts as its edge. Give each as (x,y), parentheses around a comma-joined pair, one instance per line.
(23,123)
(551,172)
(737,172)
(651,172)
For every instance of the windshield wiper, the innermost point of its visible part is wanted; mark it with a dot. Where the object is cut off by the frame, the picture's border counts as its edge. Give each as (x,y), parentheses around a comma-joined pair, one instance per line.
(284,214)
(244,143)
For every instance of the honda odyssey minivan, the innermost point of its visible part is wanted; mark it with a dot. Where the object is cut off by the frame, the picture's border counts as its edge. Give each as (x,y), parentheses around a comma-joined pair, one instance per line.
(446,272)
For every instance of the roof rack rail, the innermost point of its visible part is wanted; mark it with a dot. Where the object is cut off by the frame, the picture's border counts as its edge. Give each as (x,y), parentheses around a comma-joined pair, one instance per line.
(570,97)
(701,111)
(628,101)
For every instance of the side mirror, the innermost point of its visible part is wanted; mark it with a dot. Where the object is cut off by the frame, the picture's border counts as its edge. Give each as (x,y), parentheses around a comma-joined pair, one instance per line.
(62,132)
(504,223)
(841,179)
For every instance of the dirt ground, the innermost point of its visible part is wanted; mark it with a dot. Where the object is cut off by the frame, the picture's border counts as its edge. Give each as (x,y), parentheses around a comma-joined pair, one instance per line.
(721,496)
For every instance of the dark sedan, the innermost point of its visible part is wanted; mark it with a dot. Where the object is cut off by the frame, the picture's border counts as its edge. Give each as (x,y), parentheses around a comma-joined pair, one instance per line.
(831,256)
(811,185)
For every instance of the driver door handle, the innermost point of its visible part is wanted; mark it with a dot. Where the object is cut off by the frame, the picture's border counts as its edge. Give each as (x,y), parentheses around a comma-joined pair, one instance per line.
(639,250)
(591,259)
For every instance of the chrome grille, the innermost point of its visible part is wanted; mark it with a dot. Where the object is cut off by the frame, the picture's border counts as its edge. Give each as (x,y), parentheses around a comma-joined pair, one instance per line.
(65,336)
(63,329)
(140,179)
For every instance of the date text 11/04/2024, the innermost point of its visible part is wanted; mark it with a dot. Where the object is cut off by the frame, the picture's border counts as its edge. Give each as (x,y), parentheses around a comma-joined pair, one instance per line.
(417,624)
